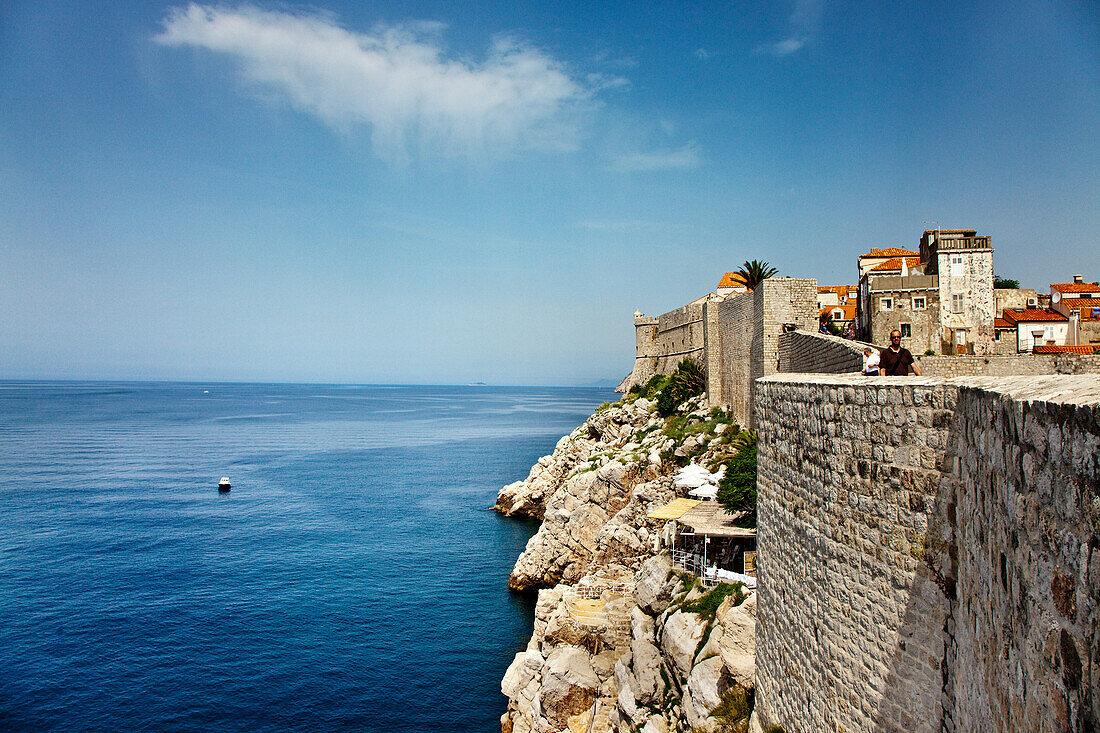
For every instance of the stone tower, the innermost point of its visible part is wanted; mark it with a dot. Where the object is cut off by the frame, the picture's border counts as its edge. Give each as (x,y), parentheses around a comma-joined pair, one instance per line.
(964,263)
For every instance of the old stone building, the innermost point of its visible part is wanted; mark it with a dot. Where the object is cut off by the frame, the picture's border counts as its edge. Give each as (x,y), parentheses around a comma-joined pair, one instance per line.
(1080,302)
(1004,336)
(963,263)
(1014,298)
(1034,327)
(837,303)
(894,293)
(941,299)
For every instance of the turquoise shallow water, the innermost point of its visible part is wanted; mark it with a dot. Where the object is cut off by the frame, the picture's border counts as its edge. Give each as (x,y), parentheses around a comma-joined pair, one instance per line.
(353,579)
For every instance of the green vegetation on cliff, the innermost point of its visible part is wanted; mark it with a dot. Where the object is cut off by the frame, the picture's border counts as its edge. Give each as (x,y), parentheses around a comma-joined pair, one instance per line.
(737,489)
(672,390)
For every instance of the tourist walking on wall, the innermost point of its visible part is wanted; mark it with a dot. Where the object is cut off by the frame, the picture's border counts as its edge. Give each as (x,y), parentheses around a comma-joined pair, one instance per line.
(896,361)
(870,362)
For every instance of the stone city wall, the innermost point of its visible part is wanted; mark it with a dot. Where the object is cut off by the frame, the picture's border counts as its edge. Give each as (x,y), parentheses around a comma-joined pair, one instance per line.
(679,337)
(750,326)
(783,301)
(712,350)
(736,324)
(928,554)
(849,634)
(806,351)
(736,339)
(1025,654)
(661,343)
(1008,365)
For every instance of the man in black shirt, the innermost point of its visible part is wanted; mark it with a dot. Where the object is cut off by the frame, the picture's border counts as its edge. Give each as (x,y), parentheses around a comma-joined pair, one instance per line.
(896,361)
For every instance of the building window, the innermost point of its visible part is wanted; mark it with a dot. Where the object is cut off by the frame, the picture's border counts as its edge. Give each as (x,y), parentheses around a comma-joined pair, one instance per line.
(906,330)
(1032,302)
(957,266)
(886,304)
(957,303)
(919,304)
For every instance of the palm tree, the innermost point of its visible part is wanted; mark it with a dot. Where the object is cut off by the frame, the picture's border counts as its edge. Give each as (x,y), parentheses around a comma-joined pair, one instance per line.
(755,272)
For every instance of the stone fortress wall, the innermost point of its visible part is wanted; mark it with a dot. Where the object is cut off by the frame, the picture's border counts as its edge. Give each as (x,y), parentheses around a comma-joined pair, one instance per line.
(929,547)
(928,553)
(820,353)
(735,338)
(662,342)
(749,328)
(740,338)
(1008,365)
(732,387)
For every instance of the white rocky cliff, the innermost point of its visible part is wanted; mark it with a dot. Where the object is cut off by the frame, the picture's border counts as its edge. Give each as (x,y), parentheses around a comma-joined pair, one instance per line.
(622,640)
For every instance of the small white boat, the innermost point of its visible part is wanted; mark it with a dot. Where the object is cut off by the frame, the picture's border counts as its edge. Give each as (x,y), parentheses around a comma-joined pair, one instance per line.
(224,485)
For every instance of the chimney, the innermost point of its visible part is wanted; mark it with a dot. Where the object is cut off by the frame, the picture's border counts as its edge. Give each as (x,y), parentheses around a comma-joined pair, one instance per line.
(1078,278)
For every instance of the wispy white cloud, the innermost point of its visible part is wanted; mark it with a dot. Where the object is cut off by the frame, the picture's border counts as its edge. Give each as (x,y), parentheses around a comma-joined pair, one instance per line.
(805,24)
(784,48)
(702,54)
(397,81)
(684,157)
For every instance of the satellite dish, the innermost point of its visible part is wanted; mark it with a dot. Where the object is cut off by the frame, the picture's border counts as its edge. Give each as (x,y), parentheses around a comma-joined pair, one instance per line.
(1057,296)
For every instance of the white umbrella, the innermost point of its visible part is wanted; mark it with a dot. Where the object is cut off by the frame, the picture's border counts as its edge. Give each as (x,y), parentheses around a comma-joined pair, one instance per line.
(692,476)
(706,491)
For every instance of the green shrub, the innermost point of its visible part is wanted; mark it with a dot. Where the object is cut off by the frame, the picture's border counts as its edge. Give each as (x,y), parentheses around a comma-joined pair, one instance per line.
(707,605)
(648,390)
(686,382)
(737,489)
(827,321)
(672,390)
(733,710)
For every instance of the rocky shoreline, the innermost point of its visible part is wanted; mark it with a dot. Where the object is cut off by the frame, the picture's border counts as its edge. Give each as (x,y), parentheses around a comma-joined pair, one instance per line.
(622,639)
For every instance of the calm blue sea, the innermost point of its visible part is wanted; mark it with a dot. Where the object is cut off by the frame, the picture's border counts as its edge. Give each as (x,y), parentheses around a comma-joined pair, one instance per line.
(353,579)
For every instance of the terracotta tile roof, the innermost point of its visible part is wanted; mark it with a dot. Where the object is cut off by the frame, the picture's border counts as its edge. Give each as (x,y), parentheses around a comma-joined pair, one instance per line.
(838,289)
(1002,323)
(732,280)
(1065,349)
(849,310)
(1084,305)
(891,252)
(894,263)
(1076,287)
(1028,315)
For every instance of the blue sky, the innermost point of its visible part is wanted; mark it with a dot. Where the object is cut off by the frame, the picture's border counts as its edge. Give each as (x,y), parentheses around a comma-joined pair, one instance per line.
(426,192)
